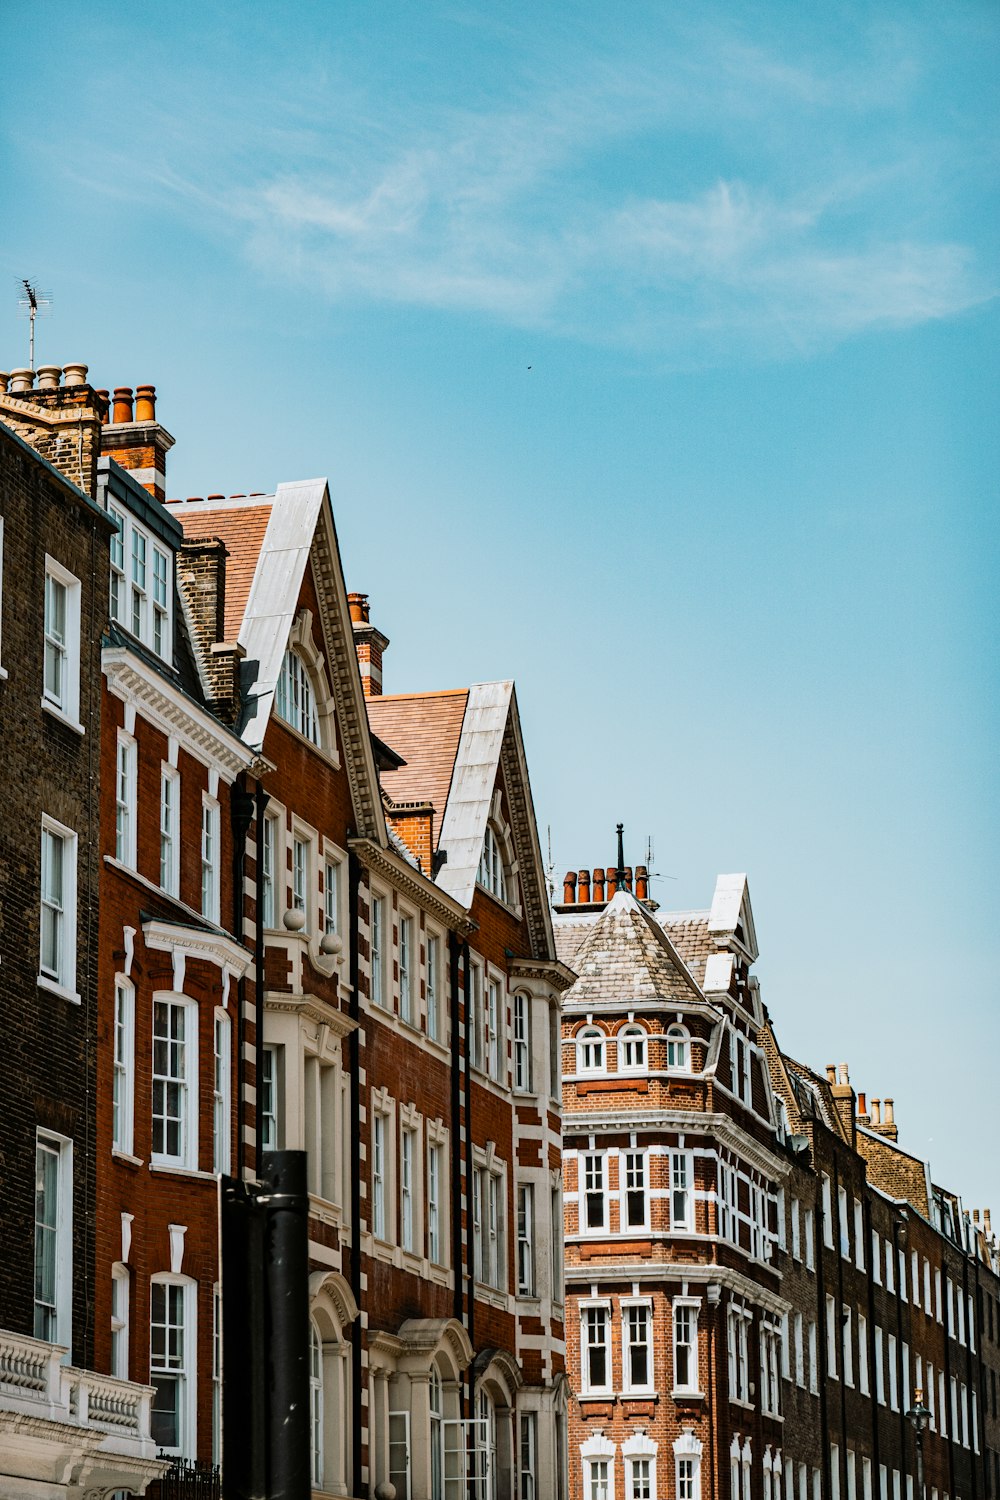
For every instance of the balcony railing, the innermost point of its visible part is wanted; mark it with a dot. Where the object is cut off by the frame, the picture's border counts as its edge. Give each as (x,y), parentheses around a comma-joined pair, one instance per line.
(34,1380)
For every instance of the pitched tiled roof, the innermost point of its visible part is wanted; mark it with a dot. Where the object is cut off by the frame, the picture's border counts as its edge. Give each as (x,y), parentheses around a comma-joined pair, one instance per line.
(627,956)
(571,932)
(688,931)
(241,525)
(425,729)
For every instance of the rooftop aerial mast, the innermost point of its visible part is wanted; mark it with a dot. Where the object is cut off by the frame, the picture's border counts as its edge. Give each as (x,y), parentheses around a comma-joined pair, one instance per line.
(32,301)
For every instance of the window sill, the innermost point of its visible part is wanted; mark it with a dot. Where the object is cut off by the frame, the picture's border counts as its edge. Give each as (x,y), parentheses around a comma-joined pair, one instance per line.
(55,988)
(177,1169)
(3,674)
(126,1158)
(679,1394)
(57,713)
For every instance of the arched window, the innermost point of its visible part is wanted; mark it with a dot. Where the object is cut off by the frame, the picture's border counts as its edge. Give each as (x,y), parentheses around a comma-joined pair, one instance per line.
(293,698)
(590,1051)
(678,1049)
(631,1049)
(491,868)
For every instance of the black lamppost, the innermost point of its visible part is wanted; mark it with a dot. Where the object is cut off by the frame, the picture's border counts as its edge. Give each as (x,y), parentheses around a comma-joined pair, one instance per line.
(919,1417)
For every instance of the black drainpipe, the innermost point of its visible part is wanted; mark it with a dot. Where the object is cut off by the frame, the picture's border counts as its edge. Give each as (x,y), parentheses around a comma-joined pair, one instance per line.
(241,811)
(354,1259)
(456,1130)
(470,1249)
(970,1383)
(840,1232)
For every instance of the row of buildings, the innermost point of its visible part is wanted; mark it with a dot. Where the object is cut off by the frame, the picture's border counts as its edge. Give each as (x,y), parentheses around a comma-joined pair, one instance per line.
(578,1227)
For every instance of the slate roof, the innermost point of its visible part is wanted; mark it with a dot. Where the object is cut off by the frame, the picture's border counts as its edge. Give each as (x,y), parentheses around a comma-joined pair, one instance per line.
(688,931)
(425,729)
(626,956)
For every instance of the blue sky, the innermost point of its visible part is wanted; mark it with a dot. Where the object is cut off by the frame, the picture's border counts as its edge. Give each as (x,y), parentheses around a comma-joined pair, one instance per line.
(652,358)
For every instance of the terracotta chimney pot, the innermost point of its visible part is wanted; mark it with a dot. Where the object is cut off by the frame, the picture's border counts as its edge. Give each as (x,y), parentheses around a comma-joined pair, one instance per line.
(21,380)
(74,374)
(358,605)
(628,877)
(569,886)
(105,397)
(145,403)
(48,377)
(123,404)
(598,894)
(583,886)
(862,1104)
(641,882)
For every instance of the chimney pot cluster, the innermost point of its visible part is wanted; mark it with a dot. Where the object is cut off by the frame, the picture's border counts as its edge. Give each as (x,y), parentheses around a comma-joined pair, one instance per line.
(49,378)
(144,403)
(594,887)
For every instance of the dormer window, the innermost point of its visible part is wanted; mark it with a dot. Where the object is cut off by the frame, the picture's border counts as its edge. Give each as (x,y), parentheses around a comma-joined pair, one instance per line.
(294,701)
(631,1049)
(141,582)
(590,1051)
(678,1049)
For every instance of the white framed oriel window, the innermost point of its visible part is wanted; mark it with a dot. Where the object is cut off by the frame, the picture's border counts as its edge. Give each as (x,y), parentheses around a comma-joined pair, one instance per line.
(61,626)
(172,1363)
(175,1081)
(123,1078)
(53,1281)
(57,910)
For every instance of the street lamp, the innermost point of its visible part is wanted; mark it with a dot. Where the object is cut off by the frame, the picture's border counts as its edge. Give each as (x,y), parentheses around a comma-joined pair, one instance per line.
(919,1417)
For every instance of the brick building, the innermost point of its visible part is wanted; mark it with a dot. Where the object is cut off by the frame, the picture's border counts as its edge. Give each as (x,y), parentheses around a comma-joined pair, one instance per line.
(735,1217)
(70,1422)
(408,1012)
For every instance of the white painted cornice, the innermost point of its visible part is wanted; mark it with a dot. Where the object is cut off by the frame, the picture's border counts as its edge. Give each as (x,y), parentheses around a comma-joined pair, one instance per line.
(414,884)
(135,681)
(195,943)
(701,1274)
(676,1122)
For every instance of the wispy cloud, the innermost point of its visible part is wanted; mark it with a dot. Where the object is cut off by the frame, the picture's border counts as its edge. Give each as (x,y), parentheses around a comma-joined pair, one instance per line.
(600,201)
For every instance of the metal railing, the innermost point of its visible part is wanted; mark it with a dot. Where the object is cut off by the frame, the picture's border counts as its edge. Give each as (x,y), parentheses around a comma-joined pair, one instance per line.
(187,1480)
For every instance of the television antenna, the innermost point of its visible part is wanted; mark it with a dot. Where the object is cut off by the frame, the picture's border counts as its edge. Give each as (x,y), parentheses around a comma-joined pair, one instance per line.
(33,301)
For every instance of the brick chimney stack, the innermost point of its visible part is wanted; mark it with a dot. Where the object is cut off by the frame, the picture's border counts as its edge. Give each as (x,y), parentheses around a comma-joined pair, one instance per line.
(843,1098)
(60,417)
(136,440)
(369,643)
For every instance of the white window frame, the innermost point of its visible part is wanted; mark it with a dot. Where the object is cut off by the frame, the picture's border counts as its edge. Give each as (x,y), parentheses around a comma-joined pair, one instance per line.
(270,869)
(186,1371)
(633,1170)
(62,977)
(121,1296)
(332,898)
(633,1048)
(295,699)
(136,595)
(637,1333)
(303,881)
(682,1218)
(170,830)
(409,1186)
(591,1051)
(522,1042)
(123,1067)
(678,1049)
(269,1098)
(53,1316)
(435,1185)
(595,1316)
(379,988)
(407,967)
(492,873)
(126,757)
(210,861)
(187,1081)
(687,1467)
(685,1310)
(435,1028)
(222,1092)
(381,1134)
(63,646)
(525,1239)
(593,1184)
(493,1026)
